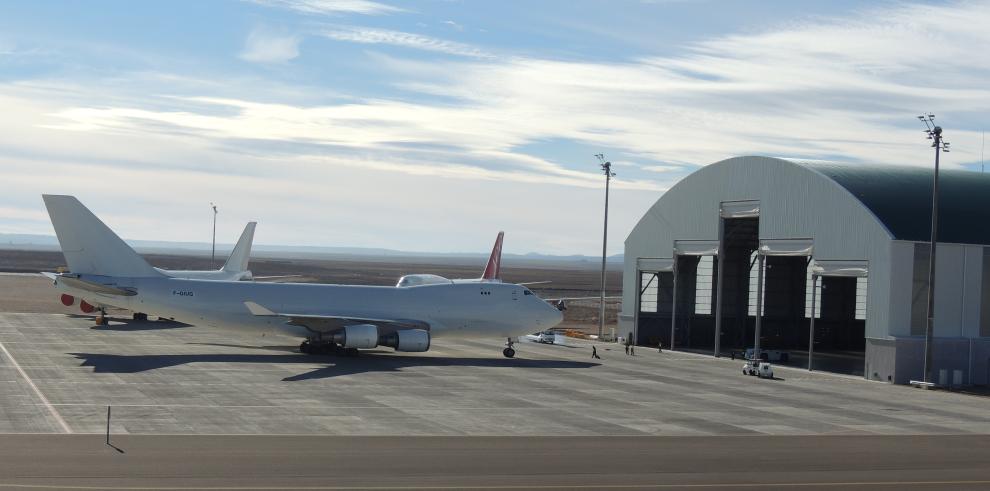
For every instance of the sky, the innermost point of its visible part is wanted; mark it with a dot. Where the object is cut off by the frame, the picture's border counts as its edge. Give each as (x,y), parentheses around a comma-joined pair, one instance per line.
(430,126)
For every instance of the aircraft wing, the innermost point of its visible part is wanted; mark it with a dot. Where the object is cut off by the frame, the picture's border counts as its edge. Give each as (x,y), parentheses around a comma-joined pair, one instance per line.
(607,297)
(333,322)
(561,302)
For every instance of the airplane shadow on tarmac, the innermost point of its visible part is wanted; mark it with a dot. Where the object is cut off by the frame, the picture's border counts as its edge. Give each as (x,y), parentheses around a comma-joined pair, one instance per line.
(124,324)
(367,361)
(132,325)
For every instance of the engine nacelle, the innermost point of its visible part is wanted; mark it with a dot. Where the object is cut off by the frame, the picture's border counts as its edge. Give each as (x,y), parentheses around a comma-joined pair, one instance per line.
(357,336)
(411,340)
(86,307)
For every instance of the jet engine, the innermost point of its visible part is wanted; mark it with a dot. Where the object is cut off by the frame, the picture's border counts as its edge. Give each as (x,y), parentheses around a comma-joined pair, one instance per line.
(357,336)
(411,340)
(86,307)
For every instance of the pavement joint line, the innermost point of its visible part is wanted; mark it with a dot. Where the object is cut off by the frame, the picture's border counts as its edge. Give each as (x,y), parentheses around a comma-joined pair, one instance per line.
(517,486)
(44,400)
(273,406)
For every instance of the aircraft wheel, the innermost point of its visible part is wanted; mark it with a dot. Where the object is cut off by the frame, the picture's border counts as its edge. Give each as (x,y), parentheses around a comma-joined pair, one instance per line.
(509,352)
(304,347)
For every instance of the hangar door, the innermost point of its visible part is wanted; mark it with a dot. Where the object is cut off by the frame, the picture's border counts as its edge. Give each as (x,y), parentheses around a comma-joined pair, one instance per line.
(837,330)
(654,301)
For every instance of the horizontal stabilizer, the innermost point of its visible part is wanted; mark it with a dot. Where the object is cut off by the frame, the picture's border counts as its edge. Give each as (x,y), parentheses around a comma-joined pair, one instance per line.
(276,278)
(92,286)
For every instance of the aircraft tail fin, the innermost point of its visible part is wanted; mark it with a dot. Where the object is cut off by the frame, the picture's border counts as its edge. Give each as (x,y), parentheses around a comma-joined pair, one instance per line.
(239,257)
(89,246)
(493,270)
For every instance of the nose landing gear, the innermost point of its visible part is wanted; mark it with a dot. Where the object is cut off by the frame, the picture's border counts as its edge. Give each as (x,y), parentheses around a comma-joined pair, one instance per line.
(508,352)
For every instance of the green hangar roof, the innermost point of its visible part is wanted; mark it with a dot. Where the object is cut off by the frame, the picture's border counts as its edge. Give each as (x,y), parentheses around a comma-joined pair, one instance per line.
(901,198)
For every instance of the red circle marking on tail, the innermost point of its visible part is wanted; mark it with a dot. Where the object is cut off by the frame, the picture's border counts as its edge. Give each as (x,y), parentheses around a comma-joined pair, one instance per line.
(68,300)
(86,307)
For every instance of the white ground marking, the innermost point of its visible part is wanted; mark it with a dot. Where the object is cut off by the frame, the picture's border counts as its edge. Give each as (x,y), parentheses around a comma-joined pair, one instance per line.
(44,400)
(858,484)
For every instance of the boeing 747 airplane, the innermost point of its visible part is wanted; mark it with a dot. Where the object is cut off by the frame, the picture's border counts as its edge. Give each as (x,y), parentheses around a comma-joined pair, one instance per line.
(329,318)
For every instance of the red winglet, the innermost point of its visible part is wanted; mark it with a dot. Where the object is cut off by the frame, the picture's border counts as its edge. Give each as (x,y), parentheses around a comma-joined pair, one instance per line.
(493,271)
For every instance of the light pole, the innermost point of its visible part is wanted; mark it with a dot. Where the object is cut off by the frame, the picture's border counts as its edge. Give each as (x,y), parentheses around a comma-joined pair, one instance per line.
(934,134)
(607,167)
(213,255)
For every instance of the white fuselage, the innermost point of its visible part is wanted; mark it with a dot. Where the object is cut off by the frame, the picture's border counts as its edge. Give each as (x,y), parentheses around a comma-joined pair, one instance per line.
(450,309)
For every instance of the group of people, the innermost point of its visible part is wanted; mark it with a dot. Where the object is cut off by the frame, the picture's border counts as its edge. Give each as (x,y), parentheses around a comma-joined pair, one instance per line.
(630,348)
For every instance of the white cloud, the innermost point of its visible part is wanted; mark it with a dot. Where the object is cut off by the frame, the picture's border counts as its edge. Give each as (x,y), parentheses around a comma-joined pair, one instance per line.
(12,213)
(454,25)
(263,46)
(322,197)
(661,168)
(846,88)
(329,7)
(773,93)
(356,34)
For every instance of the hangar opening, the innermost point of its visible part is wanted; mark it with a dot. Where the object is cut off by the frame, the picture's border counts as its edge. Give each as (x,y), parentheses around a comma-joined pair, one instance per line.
(695,266)
(778,295)
(740,234)
(839,322)
(655,301)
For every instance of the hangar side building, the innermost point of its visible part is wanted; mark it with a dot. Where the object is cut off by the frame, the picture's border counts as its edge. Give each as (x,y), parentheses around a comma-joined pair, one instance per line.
(848,243)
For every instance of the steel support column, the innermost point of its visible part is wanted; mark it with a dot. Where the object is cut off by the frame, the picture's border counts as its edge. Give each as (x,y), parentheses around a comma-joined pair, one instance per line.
(720,270)
(811,325)
(673,309)
(760,258)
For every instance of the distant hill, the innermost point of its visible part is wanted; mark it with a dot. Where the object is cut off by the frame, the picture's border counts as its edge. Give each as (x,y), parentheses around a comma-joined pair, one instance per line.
(49,242)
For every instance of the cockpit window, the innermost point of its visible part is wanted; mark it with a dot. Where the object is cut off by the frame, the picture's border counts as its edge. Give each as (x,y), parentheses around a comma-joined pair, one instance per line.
(527,292)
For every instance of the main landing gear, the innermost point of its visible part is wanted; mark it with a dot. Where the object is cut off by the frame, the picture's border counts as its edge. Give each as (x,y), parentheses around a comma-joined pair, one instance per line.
(140,316)
(101,317)
(508,351)
(320,347)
